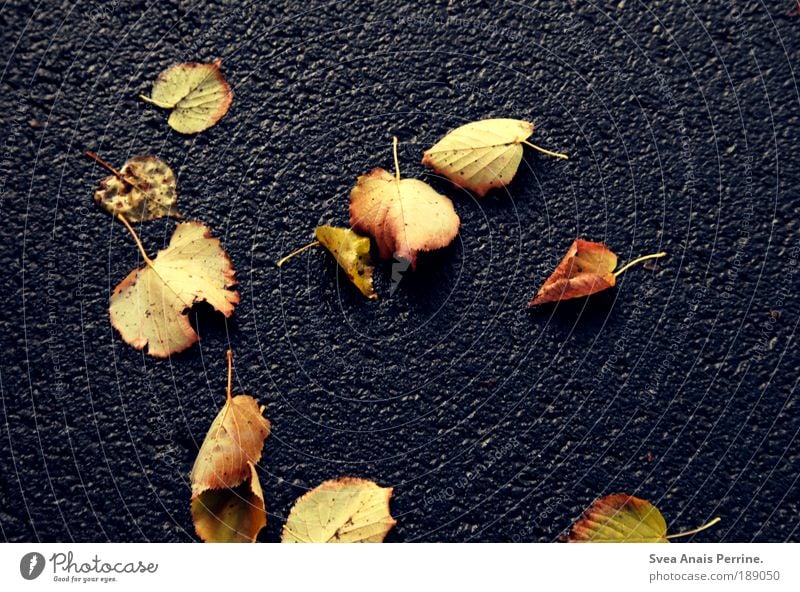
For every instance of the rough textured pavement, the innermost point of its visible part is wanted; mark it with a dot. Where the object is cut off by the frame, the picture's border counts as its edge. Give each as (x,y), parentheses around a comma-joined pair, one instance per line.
(492,422)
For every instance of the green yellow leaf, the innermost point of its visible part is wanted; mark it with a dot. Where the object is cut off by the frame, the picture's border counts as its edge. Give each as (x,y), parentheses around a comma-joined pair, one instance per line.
(351,252)
(144,189)
(344,510)
(234,515)
(150,306)
(482,155)
(198,95)
(404,216)
(622,518)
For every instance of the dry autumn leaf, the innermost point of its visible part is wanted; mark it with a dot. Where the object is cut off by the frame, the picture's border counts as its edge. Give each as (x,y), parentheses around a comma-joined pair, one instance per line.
(404,216)
(351,252)
(233,515)
(587,268)
(622,518)
(150,306)
(227,501)
(344,510)
(482,155)
(145,189)
(198,95)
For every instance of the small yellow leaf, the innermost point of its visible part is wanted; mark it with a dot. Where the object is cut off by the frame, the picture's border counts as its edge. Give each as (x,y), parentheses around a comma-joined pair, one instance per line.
(144,189)
(482,155)
(234,439)
(198,95)
(233,515)
(150,306)
(404,216)
(351,252)
(344,510)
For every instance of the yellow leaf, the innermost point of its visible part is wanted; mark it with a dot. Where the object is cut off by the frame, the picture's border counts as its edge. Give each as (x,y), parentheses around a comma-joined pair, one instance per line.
(622,518)
(145,189)
(230,515)
(198,95)
(344,510)
(227,501)
(482,155)
(150,306)
(234,439)
(351,252)
(405,216)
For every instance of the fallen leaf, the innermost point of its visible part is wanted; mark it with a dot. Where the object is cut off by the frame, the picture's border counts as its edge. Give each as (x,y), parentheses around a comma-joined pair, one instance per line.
(482,155)
(344,510)
(587,268)
(404,216)
(622,518)
(351,252)
(198,95)
(145,189)
(233,515)
(227,501)
(150,306)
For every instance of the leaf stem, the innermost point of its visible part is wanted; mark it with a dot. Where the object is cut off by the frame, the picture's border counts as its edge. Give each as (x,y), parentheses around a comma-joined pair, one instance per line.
(230,376)
(297,252)
(156,103)
(545,151)
(136,238)
(114,171)
(695,530)
(396,161)
(639,260)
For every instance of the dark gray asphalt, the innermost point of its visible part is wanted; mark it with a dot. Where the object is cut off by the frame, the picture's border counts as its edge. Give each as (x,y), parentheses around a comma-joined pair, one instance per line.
(492,422)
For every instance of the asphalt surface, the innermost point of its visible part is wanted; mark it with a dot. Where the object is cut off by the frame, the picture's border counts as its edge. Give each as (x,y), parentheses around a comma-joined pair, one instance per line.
(492,422)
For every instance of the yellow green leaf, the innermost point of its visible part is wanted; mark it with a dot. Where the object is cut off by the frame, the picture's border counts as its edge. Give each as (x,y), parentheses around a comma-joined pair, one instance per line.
(233,515)
(150,306)
(351,252)
(482,155)
(344,510)
(622,518)
(145,189)
(198,95)
(404,216)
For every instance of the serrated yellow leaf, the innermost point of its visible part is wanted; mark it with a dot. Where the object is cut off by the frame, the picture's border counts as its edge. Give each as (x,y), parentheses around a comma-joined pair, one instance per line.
(144,189)
(150,306)
(198,95)
(344,510)
(351,252)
